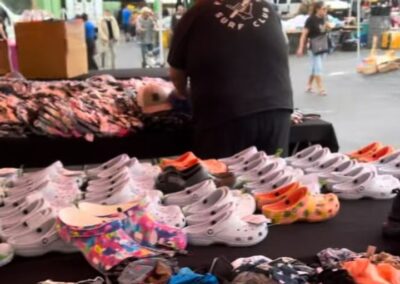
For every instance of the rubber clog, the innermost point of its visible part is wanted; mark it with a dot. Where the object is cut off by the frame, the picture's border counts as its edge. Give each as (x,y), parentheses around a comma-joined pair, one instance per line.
(190,194)
(328,165)
(242,155)
(309,151)
(275,195)
(188,160)
(270,166)
(375,156)
(245,203)
(366,150)
(139,223)
(226,228)
(300,205)
(117,162)
(348,175)
(370,185)
(171,180)
(313,160)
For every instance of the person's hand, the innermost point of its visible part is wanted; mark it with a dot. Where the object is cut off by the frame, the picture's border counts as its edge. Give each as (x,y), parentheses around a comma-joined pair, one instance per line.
(300,52)
(176,95)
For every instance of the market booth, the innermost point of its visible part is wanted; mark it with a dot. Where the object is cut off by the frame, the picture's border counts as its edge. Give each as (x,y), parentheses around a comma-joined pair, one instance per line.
(80,201)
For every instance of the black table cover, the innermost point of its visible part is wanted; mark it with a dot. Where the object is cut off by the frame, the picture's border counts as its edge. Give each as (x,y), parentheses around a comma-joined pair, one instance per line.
(42,151)
(357,225)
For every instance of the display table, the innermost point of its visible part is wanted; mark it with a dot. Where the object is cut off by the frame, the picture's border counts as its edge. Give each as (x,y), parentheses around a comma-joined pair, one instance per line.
(357,226)
(124,74)
(42,151)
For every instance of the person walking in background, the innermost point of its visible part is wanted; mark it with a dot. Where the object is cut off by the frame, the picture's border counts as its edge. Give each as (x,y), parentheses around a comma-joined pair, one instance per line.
(126,22)
(109,34)
(90,34)
(180,11)
(145,28)
(315,33)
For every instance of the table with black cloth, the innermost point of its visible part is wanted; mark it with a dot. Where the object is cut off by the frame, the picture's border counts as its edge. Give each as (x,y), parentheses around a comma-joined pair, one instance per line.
(357,226)
(37,151)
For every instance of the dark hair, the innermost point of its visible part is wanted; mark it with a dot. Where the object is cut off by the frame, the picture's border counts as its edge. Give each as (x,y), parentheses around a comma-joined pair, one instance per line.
(317,6)
(179,4)
(85,17)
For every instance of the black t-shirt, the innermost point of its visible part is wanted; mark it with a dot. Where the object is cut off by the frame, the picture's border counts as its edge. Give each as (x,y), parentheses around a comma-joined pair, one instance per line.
(236,57)
(315,26)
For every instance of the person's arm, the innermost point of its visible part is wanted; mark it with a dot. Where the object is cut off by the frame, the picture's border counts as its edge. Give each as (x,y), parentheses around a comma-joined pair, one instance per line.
(139,28)
(302,43)
(2,31)
(179,79)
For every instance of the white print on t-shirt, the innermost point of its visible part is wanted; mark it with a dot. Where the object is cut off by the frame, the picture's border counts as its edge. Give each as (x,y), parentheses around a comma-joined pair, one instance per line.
(242,14)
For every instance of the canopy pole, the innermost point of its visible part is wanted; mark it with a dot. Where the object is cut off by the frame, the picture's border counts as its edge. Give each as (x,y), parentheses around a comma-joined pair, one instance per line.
(358,29)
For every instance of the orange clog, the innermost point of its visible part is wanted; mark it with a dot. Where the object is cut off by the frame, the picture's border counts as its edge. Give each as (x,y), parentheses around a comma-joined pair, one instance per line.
(275,195)
(300,205)
(189,159)
(373,147)
(365,272)
(378,154)
(181,163)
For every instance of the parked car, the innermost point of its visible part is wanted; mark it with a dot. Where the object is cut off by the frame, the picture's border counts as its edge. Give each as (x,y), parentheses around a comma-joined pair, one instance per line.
(337,8)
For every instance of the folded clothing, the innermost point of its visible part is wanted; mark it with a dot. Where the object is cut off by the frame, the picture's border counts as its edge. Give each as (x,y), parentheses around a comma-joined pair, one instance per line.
(100,106)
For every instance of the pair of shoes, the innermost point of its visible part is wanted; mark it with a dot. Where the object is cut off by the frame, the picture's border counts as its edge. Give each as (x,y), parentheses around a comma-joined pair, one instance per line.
(390,165)
(295,203)
(244,164)
(225,217)
(173,180)
(370,185)
(260,173)
(110,235)
(311,157)
(123,179)
(216,201)
(188,160)
(190,194)
(371,152)
(28,225)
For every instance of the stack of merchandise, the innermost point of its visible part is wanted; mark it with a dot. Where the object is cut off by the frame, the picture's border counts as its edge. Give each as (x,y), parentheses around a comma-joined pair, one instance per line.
(335,266)
(98,107)
(117,217)
(110,213)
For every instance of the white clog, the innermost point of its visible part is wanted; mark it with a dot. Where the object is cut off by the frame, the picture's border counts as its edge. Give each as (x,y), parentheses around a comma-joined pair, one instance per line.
(369,185)
(191,194)
(245,203)
(271,166)
(312,160)
(243,155)
(109,166)
(226,228)
(327,165)
(305,153)
(40,241)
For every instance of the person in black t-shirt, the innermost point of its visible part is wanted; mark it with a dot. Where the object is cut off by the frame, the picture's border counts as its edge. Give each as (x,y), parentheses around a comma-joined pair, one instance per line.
(316,25)
(234,54)
(177,16)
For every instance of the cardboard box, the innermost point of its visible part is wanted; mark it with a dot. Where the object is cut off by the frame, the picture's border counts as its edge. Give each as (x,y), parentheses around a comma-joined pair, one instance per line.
(51,50)
(4,59)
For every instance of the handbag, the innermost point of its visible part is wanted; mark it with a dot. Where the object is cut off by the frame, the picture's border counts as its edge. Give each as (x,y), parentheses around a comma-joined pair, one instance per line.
(320,44)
